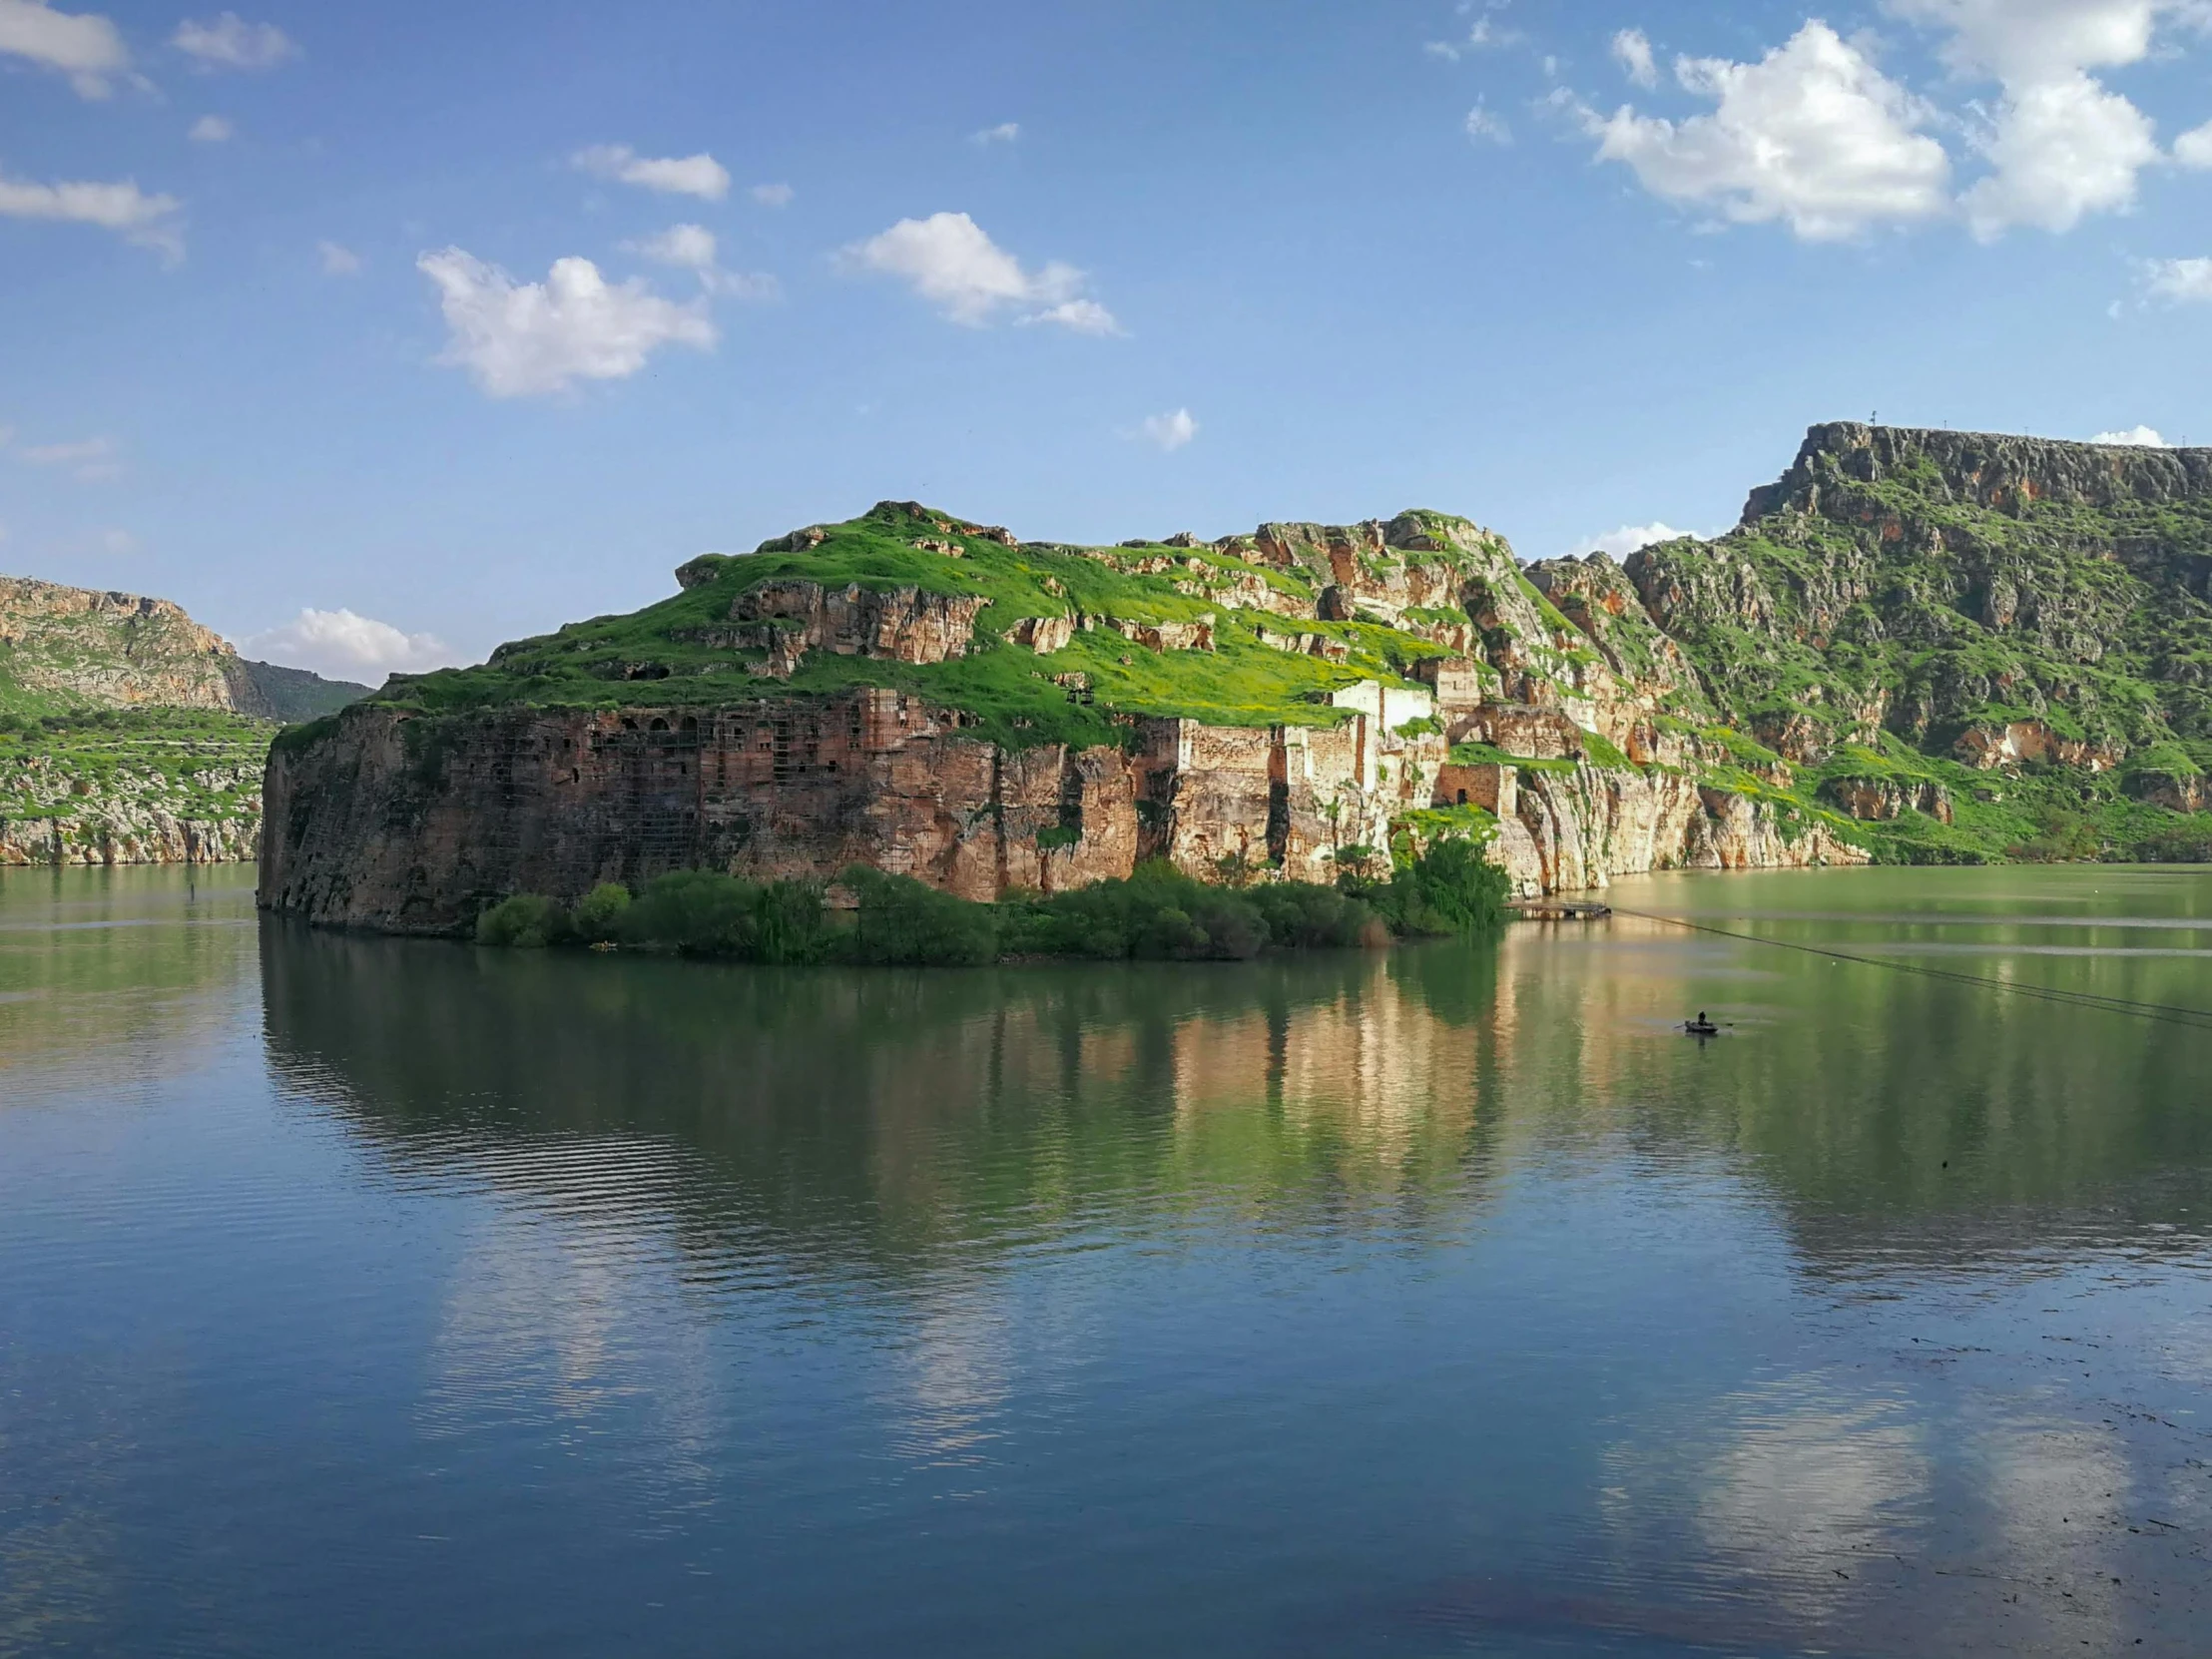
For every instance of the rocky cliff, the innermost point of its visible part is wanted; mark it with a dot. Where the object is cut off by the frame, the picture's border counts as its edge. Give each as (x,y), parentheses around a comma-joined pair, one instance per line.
(129,734)
(1916,646)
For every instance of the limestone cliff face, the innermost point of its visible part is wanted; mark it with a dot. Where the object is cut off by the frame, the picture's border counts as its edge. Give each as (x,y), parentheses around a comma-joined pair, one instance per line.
(111,649)
(133,835)
(1946,587)
(399,822)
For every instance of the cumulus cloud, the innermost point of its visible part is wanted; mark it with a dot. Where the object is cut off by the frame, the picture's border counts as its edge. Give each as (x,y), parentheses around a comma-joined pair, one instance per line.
(1813,135)
(2059,151)
(701,175)
(692,247)
(1624,541)
(229,42)
(2181,280)
(150,220)
(2061,144)
(2135,437)
(773,195)
(88,460)
(1170,431)
(343,645)
(523,339)
(1078,316)
(81,45)
(212,129)
(2024,41)
(1486,125)
(1004,133)
(1632,51)
(339,261)
(950,261)
(2194,149)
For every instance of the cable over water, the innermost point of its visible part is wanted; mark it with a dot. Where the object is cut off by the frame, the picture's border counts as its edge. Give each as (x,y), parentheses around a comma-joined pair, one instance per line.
(2199,1019)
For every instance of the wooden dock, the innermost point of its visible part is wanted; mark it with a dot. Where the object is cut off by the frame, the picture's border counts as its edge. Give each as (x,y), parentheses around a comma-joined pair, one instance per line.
(1559,909)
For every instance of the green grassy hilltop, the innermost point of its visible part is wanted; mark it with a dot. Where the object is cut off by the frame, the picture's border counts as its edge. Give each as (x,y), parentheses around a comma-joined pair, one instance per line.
(1018,697)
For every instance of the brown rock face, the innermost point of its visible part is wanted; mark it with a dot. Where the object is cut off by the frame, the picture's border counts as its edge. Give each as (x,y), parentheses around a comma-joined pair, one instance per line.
(789,619)
(1985,748)
(411,823)
(1877,799)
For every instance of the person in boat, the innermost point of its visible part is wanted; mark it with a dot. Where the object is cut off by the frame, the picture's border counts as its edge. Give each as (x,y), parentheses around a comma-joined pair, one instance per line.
(1701,1026)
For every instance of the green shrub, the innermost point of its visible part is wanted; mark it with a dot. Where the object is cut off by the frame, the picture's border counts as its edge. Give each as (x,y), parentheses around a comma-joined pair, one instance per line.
(703,912)
(1450,888)
(598,914)
(908,923)
(526,922)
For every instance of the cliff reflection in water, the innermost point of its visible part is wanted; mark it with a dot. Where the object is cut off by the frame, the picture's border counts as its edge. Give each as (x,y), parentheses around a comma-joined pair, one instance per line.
(899,1114)
(893,1112)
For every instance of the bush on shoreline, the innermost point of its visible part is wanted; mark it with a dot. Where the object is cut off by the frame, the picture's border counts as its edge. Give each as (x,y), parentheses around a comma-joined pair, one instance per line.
(1157,915)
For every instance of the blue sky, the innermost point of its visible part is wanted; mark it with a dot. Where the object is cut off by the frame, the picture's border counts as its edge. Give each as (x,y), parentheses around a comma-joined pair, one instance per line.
(379,335)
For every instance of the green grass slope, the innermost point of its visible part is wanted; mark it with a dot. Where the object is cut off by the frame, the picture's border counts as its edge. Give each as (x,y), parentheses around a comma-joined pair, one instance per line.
(1018,698)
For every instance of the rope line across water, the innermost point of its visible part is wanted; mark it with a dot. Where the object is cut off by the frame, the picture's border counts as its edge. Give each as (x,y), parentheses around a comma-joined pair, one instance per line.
(2196,1019)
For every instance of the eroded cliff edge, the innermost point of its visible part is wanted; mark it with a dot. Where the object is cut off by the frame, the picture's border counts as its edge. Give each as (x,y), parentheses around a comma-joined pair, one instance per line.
(1913,645)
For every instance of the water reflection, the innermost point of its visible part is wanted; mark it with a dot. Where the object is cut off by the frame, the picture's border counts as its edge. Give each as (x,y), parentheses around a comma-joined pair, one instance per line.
(911,1116)
(906,1115)
(1442,1300)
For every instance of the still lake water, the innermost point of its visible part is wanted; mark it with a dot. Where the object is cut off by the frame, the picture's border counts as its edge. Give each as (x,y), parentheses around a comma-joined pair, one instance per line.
(372,1297)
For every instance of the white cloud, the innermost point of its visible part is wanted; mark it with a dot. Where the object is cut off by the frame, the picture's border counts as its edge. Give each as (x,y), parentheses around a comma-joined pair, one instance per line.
(2061,144)
(339,261)
(951,263)
(773,195)
(212,129)
(1004,133)
(2025,41)
(89,461)
(342,645)
(119,541)
(701,175)
(1813,135)
(2194,149)
(150,220)
(2135,437)
(1077,316)
(692,247)
(1624,541)
(1632,51)
(1170,431)
(82,45)
(229,42)
(524,340)
(2180,279)
(1485,36)
(1486,126)
(2060,150)
(689,245)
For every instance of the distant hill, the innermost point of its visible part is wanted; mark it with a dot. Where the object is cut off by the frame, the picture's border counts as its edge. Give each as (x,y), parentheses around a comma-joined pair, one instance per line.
(64,650)
(266,691)
(129,733)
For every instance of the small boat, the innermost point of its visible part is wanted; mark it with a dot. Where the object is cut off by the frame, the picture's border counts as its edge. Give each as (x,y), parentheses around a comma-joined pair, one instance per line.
(1701,1026)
